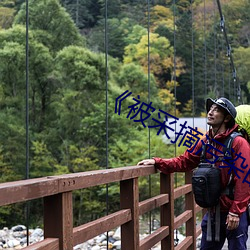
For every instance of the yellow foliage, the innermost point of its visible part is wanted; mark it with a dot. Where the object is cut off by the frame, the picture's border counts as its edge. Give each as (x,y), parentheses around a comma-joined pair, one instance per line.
(188,108)
(179,69)
(203,114)
(161,15)
(166,96)
(160,55)
(169,101)
(172,85)
(6,17)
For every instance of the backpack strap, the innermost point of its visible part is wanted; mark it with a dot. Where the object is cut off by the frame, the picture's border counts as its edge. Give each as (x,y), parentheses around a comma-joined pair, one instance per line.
(227,150)
(203,153)
(228,144)
(209,225)
(217,223)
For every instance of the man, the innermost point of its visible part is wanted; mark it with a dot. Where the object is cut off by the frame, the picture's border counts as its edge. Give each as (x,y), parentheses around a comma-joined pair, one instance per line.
(221,115)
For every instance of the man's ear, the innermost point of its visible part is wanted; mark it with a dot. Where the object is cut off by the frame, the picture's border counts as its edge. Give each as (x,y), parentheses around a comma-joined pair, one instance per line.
(228,118)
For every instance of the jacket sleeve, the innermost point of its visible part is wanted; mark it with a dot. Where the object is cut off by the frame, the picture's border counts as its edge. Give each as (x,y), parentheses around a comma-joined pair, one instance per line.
(185,162)
(241,172)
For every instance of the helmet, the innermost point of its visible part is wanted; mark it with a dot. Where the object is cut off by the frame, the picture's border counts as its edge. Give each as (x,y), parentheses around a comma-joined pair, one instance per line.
(223,103)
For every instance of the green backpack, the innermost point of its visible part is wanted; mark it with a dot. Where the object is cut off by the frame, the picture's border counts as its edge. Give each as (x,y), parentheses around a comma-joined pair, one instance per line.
(243,120)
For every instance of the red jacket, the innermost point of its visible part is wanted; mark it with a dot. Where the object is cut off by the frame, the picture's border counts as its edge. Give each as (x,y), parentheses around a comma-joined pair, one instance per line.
(189,160)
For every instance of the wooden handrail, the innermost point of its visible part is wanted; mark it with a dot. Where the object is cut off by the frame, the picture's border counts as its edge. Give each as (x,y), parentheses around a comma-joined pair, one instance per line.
(24,190)
(58,208)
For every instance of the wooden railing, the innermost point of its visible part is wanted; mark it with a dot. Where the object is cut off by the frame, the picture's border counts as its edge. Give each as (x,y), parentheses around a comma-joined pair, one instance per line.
(59,232)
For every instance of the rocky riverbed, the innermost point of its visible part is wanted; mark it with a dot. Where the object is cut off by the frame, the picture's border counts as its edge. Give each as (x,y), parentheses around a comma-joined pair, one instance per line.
(16,238)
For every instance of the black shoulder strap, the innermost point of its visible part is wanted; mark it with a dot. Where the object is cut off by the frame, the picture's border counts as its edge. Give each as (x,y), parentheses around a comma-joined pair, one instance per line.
(228,144)
(227,150)
(203,152)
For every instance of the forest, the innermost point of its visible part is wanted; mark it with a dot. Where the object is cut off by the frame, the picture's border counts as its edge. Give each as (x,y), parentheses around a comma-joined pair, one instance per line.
(63,64)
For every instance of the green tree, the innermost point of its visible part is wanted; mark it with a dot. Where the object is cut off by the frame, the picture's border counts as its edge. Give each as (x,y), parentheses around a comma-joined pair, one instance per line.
(53,25)
(161,57)
(242,64)
(84,13)
(42,163)
(132,9)
(40,60)
(80,94)
(13,148)
(12,113)
(117,32)
(237,20)
(132,77)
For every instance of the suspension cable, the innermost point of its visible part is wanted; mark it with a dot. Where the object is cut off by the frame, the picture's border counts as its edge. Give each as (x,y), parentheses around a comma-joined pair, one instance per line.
(175,94)
(192,23)
(222,68)
(174,62)
(205,51)
(174,75)
(215,54)
(149,97)
(27,207)
(229,83)
(229,52)
(107,120)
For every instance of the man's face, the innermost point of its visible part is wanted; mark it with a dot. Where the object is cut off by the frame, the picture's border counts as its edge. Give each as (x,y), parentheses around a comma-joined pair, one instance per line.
(215,116)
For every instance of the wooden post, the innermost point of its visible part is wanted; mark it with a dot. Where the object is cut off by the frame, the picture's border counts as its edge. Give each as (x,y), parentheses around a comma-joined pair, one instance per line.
(190,205)
(167,210)
(129,197)
(58,219)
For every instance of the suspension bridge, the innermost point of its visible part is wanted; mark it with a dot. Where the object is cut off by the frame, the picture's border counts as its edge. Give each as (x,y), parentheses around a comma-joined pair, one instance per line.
(56,192)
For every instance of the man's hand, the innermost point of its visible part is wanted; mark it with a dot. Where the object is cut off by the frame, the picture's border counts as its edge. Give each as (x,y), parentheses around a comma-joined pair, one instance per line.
(232,221)
(146,162)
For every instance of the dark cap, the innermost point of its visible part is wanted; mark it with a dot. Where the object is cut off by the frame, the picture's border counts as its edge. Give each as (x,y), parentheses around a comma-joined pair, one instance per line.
(223,103)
